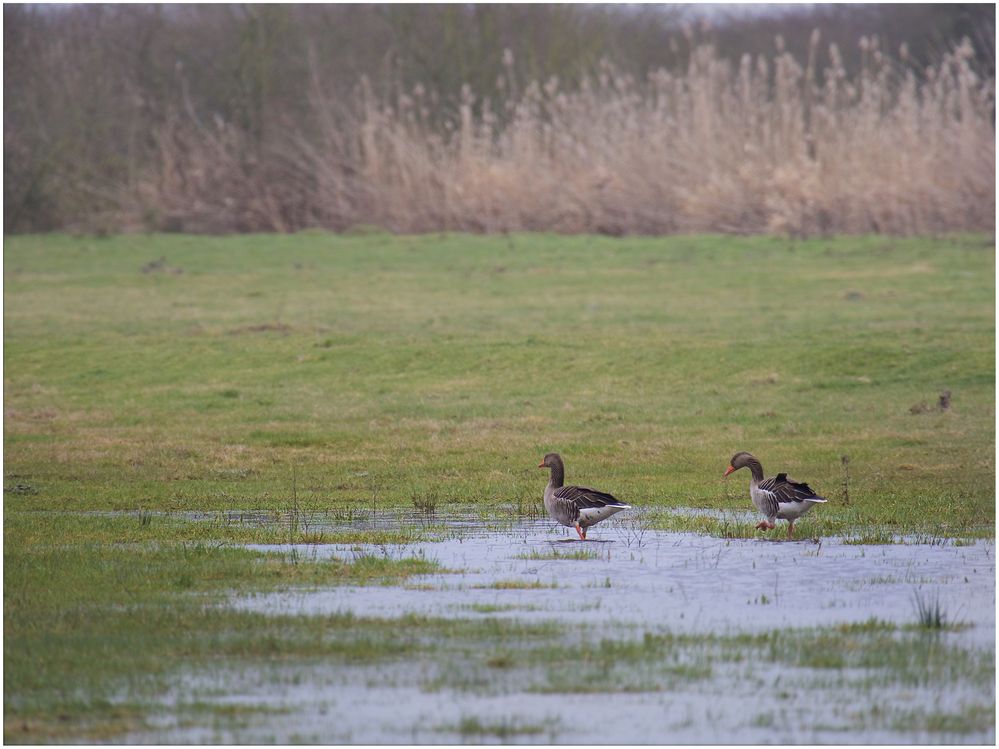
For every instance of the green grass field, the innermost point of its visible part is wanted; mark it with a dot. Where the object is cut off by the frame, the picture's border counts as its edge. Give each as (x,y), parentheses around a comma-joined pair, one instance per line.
(319,371)
(377,365)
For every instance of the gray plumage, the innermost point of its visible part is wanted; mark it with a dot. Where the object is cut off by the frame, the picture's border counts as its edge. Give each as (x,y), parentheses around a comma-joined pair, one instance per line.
(777,497)
(576,506)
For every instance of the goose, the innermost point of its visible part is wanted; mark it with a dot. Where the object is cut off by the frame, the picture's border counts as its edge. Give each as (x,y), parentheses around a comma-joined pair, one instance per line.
(777,497)
(576,506)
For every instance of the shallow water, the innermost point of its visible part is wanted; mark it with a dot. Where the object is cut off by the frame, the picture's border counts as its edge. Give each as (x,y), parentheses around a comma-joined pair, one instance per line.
(633,580)
(315,705)
(684,582)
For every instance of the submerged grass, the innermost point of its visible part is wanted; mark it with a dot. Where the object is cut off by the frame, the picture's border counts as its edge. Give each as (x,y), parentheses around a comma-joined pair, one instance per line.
(565,659)
(90,620)
(555,554)
(493,608)
(881,527)
(90,610)
(969,719)
(930,612)
(872,538)
(518,585)
(502,729)
(366,568)
(270,529)
(885,654)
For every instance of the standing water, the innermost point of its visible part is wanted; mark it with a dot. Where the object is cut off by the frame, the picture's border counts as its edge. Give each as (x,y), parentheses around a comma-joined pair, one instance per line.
(718,618)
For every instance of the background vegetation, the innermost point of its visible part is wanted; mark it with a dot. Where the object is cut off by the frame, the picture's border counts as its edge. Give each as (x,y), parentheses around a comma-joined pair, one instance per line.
(493,118)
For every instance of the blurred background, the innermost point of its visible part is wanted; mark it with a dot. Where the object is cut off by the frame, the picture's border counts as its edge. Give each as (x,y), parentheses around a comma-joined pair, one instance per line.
(620,119)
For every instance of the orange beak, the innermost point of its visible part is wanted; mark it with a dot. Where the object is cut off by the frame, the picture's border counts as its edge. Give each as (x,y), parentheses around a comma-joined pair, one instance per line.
(541,464)
(730,469)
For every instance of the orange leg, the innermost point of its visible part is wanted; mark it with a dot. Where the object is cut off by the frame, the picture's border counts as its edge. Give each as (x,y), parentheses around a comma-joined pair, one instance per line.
(581,532)
(790,529)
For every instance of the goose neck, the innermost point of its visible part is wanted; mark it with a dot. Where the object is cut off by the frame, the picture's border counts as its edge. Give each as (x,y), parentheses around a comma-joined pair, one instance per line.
(558,474)
(756,468)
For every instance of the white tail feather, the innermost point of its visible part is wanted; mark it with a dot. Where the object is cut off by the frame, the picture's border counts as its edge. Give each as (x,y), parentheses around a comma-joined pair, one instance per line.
(596,514)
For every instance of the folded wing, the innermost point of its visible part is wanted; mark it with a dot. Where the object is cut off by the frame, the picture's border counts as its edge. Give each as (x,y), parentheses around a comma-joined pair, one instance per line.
(582,497)
(782,489)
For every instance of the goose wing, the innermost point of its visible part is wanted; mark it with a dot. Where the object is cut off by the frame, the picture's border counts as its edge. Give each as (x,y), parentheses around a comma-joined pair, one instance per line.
(783,490)
(581,497)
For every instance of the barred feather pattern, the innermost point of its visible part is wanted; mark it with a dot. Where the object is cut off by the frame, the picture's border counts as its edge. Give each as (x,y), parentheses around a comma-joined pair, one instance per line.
(779,497)
(568,505)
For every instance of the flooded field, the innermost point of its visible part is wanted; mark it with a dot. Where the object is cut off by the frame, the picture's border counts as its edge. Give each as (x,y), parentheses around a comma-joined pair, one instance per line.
(635,636)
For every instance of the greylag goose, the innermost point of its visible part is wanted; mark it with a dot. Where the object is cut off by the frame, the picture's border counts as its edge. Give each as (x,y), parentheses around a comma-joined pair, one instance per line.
(576,506)
(777,497)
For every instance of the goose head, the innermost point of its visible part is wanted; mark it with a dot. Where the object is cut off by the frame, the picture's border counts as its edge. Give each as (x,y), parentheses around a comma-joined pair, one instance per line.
(740,460)
(551,460)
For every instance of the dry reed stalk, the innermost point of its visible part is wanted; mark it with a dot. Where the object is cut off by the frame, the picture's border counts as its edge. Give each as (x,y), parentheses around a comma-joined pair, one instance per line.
(764,146)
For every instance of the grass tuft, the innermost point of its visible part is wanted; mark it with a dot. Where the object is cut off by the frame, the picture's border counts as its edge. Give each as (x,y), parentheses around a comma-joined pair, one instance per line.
(504,728)
(554,554)
(930,613)
(872,538)
(518,585)
(425,501)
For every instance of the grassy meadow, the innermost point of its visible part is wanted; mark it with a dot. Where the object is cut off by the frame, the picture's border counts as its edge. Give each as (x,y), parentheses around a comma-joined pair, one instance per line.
(319,372)
(191,373)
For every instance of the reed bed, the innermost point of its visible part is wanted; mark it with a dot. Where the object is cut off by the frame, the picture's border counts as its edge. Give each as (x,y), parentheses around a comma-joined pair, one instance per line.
(776,145)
